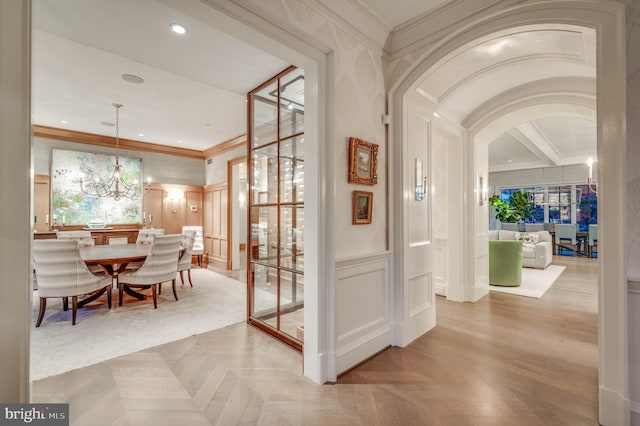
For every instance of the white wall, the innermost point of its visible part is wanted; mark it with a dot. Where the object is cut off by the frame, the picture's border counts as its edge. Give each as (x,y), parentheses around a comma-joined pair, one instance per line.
(216,172)
(356,93)
(183,170)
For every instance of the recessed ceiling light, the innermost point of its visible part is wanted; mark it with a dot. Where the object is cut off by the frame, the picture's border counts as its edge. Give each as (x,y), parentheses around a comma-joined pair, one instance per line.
(132,78)
(509,161)
(140,134)
(178,28)
(179,141)
(107,123)
(64,121)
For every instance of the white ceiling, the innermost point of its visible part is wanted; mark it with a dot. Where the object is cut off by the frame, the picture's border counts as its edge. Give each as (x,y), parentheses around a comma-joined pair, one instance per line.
(195,85)
(504,64)
(193,95)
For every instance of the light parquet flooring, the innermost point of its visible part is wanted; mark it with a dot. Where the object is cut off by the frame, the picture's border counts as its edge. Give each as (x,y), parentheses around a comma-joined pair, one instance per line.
(505,360)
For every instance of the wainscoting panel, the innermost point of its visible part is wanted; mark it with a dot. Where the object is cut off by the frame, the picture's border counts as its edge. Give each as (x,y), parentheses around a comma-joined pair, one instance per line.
(441,278)
(420,293)
(363,309)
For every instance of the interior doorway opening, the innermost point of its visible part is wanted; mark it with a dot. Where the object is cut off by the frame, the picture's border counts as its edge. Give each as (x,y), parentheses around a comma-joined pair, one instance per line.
(610,105)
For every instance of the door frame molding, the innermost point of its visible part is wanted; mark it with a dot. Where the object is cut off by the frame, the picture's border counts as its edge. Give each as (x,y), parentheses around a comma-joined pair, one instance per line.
(230,164)
(608,20)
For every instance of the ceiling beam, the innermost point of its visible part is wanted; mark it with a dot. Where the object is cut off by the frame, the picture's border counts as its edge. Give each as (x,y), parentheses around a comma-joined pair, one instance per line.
(537,142)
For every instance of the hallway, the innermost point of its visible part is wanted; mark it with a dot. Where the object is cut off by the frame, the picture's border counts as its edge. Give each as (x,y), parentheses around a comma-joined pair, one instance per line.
(503,360)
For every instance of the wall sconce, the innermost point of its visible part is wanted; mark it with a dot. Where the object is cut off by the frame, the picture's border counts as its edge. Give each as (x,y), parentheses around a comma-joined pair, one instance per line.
(482,190)
(146,187)
(420,182)
(175,194)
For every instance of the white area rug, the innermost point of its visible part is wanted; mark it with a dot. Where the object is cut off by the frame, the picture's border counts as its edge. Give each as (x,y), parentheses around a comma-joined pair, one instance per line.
(535,282)
(215,301)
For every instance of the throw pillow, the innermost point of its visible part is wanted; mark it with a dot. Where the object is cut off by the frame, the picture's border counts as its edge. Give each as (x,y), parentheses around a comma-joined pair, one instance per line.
(525,237)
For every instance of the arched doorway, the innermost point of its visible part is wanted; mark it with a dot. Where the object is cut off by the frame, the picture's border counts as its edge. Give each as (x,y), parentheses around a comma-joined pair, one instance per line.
(608,22)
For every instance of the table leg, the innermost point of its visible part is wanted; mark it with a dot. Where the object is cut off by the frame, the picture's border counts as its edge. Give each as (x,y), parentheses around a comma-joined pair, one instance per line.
(133,293)
(91,298)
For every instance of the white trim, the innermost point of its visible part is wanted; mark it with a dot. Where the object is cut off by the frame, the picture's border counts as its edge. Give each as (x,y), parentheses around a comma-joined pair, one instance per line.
(356,19)
(16,187)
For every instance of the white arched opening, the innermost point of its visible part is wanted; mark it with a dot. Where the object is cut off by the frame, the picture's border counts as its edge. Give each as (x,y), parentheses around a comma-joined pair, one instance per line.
(607,19)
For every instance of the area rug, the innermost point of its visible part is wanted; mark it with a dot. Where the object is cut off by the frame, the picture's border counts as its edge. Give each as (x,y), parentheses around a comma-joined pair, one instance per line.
(213,302)
(535,282)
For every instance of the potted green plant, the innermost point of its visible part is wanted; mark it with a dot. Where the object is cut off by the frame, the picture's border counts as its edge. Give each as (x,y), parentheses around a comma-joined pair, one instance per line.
(518,209)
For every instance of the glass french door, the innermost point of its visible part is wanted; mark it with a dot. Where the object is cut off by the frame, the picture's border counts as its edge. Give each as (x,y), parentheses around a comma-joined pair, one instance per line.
(275,272)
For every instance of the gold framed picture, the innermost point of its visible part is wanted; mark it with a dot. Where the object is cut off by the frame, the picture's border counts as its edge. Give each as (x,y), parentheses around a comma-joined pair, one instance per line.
(363,161)
(362,207)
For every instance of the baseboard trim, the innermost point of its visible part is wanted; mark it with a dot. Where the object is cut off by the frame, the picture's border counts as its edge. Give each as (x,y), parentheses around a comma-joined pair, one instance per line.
(614,408)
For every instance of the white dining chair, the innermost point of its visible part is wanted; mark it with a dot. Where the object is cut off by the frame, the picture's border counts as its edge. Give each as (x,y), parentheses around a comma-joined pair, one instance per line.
(161,265)
(83,238)
(198,242)
(145,236)
(61,272)
(184,264)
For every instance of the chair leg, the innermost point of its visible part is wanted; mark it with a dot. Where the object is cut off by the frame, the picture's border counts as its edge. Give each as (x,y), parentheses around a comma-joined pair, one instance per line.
(74,309)
(43,307)
(182,277)
(173,285)
(155,296)
(160,288)
(120,293)
(65,304)
(189,275)
(109,296)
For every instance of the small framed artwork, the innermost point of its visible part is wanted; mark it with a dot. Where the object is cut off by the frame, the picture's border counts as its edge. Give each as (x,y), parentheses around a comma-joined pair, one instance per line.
(363,161)
(362,207)
(194,208)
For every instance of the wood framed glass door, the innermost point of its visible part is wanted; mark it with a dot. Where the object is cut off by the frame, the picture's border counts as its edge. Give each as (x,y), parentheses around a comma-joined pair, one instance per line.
(275,270)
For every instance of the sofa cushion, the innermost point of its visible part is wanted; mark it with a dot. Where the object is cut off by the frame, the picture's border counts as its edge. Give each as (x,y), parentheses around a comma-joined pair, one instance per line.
(506,235)
(493,234)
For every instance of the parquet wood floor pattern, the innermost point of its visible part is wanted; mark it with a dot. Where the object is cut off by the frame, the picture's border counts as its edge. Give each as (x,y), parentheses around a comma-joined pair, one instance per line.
(505,360)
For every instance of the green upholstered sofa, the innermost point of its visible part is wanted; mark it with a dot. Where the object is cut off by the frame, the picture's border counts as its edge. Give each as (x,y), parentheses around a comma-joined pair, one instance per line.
(505,262)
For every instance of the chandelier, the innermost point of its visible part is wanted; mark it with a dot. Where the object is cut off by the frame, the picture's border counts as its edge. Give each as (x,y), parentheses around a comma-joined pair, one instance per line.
(116,186)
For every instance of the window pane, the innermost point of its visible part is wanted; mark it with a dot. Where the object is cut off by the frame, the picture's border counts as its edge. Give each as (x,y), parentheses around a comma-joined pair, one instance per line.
(264,185)
(560,204)
(264,232)
(264,120)
(292,170)
(587,208)
(265,294)
(537,193)
(292,104)
(292,238)
(291,302)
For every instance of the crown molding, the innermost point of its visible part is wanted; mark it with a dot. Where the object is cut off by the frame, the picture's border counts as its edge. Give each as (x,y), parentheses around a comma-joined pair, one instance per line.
(356,19)
(110,142)
(425,29)
(228,145)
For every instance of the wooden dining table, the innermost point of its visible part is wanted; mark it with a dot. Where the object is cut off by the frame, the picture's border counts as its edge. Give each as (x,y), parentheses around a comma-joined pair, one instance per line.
(582,238)
(114,259)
